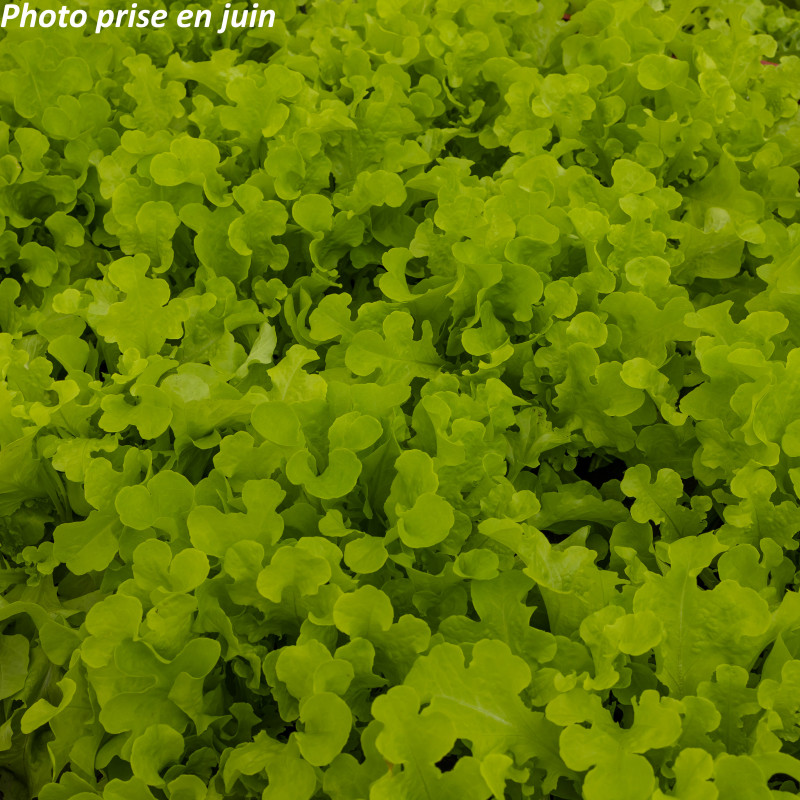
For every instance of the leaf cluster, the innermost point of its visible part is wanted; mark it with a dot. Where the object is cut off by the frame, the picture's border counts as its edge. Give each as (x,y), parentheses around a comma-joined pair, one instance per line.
(402,402)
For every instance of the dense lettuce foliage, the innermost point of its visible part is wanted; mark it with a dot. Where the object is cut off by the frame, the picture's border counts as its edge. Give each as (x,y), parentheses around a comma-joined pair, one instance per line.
(402,402)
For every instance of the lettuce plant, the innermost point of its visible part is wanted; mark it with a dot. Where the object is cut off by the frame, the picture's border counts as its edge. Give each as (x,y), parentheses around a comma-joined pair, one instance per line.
(402,403)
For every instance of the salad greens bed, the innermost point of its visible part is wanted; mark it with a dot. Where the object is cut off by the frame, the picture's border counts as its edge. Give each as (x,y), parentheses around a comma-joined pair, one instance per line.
(402,402)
